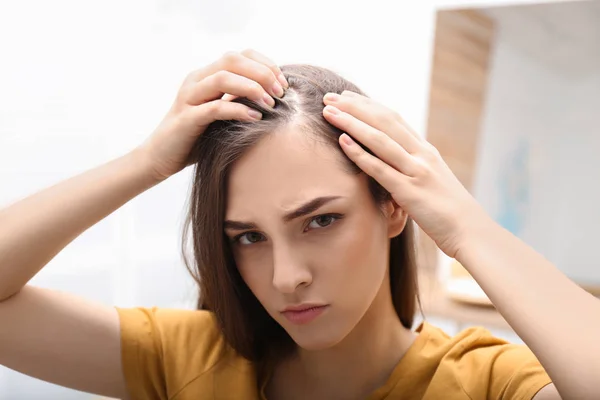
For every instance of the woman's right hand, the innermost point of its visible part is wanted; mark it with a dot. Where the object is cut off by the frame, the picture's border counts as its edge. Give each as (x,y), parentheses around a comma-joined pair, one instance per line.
(205,96)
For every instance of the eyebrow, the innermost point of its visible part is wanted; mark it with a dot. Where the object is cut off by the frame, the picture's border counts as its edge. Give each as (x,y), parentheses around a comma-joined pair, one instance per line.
(301,211)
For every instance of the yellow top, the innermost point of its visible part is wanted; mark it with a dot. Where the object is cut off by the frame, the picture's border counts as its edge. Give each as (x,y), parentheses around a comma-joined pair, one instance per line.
(181,355)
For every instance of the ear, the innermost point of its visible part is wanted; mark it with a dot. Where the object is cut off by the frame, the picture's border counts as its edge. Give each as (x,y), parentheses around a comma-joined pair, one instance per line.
(396,218)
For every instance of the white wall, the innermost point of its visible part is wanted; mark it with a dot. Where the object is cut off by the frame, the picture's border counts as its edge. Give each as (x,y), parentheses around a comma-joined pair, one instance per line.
(83,82)
(545,114)
(578,216)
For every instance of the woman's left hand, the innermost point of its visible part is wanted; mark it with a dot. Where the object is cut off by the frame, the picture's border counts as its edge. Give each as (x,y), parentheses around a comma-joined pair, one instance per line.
(409,167)
(413,171)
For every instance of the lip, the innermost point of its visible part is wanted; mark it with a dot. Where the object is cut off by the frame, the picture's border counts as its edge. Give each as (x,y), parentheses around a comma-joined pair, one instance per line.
(304,313)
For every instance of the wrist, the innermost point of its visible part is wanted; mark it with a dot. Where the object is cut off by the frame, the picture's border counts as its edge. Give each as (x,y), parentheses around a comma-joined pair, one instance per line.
(477,230)
(143,161)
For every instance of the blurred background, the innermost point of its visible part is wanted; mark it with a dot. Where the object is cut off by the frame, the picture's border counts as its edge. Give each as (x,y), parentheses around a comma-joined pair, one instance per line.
(508,92)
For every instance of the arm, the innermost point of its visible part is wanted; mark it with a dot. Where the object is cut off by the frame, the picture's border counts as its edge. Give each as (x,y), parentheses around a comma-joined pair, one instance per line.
(54,217)
(46,334)
(63,339)
(558,320)
(71,341)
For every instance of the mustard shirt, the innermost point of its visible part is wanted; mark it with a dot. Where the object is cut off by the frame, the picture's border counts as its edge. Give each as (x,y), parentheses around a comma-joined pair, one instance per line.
(181,355)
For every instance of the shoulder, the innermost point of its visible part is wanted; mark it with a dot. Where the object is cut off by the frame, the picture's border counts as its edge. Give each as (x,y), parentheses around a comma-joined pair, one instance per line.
(167,351)
(174,326)
(483,365)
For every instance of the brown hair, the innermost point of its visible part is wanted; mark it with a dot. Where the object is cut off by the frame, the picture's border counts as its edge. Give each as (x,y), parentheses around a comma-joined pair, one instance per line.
(245,324)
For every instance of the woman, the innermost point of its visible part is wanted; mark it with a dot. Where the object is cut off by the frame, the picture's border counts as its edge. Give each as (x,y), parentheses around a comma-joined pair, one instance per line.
(303,253)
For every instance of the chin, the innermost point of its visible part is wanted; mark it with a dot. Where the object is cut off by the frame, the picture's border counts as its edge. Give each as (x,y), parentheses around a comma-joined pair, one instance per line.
(315,338)
(315,342)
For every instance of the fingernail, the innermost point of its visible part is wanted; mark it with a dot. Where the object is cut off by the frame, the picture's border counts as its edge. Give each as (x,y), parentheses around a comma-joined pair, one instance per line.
(283,81)
(268,100)
(332,110)
(331,97)
(254,114)
(347,140)
(277,89)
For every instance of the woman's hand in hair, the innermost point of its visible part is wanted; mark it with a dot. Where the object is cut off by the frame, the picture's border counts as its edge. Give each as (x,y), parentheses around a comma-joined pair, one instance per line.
(409,167)
(204,97)
(521,283)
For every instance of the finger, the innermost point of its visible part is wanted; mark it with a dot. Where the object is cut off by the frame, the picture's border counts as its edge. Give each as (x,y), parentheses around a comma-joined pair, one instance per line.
(378,142)
(244,66)
(382,118)
(224,82)
(219,110)
(376,115)
(228,97)
(390,178)
(398,116)
(256,56)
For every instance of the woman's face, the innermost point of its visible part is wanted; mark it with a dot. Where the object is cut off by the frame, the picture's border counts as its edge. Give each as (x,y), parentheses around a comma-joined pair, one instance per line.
(306,232)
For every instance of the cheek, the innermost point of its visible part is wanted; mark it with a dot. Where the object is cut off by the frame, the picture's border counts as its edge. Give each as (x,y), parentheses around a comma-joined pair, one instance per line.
(253,268)
(361,254)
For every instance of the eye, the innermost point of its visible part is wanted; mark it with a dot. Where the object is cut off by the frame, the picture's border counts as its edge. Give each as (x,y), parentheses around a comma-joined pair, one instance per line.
(248,238)
(322,221)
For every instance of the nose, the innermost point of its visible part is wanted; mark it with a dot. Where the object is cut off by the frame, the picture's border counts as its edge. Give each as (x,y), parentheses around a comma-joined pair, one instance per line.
(289,270)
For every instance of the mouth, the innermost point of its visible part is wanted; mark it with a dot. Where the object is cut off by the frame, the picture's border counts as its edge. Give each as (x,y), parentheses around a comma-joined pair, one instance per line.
(303,314)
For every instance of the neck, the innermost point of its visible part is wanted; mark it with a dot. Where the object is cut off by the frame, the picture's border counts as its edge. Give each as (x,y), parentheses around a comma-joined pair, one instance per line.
(355,367)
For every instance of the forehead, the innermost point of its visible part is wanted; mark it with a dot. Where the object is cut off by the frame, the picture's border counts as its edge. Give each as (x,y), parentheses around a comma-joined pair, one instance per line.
(285,169)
